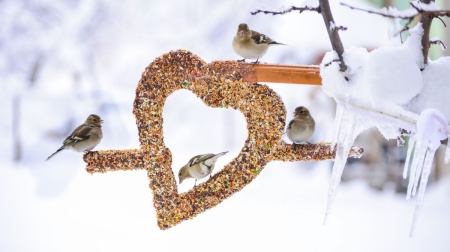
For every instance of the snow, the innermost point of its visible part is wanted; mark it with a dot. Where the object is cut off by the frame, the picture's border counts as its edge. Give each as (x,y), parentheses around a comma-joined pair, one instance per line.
(388,90)
(432,6)
(436,40)
(332,25)
(392,11)
(309,3)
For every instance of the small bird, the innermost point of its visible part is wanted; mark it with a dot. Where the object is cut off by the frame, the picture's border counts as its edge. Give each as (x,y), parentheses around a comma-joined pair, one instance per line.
(85,137)
(302,127)
(251,44)
(199,167)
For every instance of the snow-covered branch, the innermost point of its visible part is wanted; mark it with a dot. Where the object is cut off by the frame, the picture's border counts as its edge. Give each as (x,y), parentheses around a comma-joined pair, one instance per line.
(407,14)
(437,41)
(426,9)
(293,8)
(332,29)
(390,90)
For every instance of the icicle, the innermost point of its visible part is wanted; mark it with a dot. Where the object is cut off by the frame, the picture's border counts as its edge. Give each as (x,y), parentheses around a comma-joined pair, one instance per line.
(422,156)
(411,144)
(447,152)
(431,128)
(337,123)
(419,154)
(348,130)
(423,185)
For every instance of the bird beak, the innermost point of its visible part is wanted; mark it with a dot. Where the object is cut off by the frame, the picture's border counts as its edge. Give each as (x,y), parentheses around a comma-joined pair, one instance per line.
(181,180)
(241,32)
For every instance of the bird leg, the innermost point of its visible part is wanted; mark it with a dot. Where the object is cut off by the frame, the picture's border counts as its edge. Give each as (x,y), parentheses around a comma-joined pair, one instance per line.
(242,60)
(256,61)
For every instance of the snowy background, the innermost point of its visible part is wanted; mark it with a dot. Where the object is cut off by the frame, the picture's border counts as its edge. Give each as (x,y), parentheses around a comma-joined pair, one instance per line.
(63,60)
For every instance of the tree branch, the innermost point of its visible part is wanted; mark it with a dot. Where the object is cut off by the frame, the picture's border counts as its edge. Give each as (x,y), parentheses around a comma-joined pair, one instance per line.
(336,42)
(293,8)
(436,41)
(332,29)
(426,16)
(426,19)
(441,13)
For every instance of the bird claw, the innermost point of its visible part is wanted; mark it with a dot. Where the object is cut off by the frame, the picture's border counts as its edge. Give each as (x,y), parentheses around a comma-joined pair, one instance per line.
(256,62)
(242,60)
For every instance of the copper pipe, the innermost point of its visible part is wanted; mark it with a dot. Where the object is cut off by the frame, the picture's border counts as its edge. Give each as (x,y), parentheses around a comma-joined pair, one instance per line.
(284,74)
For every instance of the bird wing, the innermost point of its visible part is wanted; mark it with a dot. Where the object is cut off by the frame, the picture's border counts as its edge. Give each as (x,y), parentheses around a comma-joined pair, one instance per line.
(260,38)
(200,158)
(79,134)
(290,124)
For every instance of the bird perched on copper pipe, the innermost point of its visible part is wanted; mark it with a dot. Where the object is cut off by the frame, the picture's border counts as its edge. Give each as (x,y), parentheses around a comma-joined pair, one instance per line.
(251,44)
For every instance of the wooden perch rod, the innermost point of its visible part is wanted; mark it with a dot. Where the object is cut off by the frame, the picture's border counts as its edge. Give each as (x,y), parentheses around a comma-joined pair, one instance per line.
(284,74)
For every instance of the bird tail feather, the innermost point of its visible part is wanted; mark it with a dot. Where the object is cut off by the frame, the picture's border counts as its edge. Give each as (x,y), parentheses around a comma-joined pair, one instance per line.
(56,152)
(276,43)
(214,158)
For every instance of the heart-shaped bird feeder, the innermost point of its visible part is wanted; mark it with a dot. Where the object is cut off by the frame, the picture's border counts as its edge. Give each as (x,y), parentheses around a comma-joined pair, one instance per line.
(220,84)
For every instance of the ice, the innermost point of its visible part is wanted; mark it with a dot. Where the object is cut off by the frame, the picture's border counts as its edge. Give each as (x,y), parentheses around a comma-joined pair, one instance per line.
(337,124)
(416,167)
(411,144)
(447,153)
(423,185)
(432,127)
(350,125)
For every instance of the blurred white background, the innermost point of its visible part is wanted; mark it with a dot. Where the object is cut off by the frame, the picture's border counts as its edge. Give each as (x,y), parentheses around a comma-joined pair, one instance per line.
(63,60)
